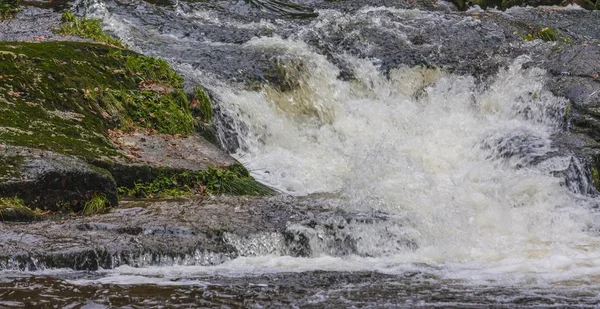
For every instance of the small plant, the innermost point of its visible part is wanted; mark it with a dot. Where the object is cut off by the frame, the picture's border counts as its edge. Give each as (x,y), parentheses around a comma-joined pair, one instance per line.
(85,28)
(545,34)
(97,204)
(13,209)
(153,69)
(162,187)
(233,179)
(201,106)
(567,112)
(595,177)
(8,9)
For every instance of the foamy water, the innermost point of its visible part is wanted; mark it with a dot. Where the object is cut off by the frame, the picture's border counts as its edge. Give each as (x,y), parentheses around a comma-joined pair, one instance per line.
(464,169)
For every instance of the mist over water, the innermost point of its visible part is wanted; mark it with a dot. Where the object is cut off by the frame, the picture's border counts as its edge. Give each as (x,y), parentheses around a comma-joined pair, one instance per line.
(464,170)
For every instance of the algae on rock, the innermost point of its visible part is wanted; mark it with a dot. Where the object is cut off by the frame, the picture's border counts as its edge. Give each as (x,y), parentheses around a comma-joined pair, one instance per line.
(63,96)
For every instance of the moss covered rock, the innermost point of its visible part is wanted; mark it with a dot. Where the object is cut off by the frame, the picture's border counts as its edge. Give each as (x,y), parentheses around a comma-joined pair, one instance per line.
(60,104)
(73,92)
(51,181)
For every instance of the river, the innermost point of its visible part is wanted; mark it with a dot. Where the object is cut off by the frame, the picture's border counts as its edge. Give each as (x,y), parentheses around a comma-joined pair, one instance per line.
(340,104)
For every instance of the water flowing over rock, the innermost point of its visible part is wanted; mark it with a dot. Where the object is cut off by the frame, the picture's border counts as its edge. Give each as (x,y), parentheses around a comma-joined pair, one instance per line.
(419,142)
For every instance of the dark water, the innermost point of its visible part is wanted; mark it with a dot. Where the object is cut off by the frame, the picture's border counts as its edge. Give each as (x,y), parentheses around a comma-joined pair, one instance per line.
(315,289)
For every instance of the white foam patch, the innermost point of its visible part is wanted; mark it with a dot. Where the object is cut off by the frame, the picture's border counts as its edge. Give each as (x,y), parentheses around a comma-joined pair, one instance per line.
(449,154)
(554,272)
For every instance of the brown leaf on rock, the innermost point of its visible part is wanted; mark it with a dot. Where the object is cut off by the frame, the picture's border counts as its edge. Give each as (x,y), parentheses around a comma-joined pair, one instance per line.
(14,94)
(135,154)
(155,86)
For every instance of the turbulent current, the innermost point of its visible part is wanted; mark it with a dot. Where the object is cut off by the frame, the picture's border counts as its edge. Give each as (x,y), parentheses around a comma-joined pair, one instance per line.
(462,166)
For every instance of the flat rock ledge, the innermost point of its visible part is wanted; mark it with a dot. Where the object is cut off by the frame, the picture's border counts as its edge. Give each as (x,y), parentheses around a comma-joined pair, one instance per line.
(196,231)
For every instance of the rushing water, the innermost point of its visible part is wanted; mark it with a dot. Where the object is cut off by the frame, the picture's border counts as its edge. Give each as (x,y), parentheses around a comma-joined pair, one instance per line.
(464,168)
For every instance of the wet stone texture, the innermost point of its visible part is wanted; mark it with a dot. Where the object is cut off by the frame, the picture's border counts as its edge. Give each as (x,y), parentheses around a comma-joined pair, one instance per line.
(200,231)
(41,176)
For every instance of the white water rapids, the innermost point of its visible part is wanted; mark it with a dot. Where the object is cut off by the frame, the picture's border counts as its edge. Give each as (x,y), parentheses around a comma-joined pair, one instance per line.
(463,169)
(447,158)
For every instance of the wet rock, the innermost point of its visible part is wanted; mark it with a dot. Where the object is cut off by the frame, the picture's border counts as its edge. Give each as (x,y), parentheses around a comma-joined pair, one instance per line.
(67,117)
(51,181)
(199,231)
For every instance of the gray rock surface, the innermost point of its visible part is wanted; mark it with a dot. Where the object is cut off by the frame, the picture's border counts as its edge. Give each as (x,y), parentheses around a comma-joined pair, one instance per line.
(45,180)
(198,231)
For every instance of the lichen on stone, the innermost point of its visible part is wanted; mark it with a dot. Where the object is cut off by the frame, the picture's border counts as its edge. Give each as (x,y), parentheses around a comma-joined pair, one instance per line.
(10,167)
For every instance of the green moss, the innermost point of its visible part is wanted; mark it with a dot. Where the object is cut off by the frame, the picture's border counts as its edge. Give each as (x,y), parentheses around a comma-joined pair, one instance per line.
(567,112)
(85,28)
(201,106)
(10,166)
(152,69)
(97,204)
(234,179)
(202,112)
(133,109)
(63,96)
(548,34)
(596,177)
(8,9)
(13,209)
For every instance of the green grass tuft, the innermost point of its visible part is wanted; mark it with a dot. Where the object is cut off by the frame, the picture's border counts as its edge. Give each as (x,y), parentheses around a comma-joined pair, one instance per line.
(153,69)
(234,179)
(85,28)
(97,204)
(13,209)
(547,34)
